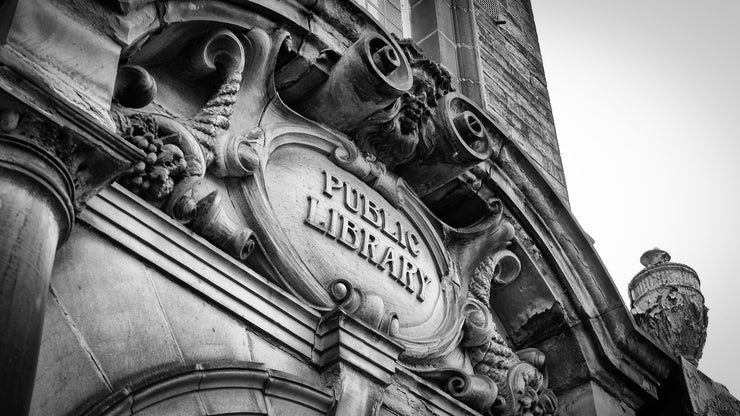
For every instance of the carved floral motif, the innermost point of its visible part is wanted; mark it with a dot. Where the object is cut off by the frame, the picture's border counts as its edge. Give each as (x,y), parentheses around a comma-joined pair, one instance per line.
(154,177)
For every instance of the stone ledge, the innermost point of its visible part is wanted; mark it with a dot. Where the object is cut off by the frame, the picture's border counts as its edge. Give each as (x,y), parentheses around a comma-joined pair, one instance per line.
(206,270)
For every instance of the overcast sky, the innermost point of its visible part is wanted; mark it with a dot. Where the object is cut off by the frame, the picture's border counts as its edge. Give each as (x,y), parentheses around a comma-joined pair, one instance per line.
(646,98)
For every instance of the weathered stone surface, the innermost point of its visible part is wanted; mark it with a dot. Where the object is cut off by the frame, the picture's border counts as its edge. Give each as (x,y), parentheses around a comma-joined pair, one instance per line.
(203,332)
(591,399)
(216,388)
(104,345)
(115,307)
(312,195)
(516,90)
(689,392)
(67,373)
(668,304)
(408,395)
(263,351)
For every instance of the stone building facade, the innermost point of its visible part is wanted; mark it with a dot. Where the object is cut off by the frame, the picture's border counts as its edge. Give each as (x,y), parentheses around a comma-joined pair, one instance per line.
(300,207)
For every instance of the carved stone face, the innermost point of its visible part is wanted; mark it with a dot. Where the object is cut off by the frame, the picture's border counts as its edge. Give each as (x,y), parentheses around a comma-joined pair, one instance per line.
(420,111)
(406,130)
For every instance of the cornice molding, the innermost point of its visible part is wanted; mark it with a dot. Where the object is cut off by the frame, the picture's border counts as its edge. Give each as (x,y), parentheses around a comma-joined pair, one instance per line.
(629,353)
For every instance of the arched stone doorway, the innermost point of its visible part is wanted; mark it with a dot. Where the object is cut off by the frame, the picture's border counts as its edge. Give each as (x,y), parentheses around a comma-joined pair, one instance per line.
(216,389)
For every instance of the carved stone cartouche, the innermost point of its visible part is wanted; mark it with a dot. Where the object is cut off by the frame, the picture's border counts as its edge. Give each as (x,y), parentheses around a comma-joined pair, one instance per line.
(427,135)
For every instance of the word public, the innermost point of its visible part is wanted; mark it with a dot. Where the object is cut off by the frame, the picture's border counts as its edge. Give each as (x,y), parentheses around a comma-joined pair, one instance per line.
(350,228)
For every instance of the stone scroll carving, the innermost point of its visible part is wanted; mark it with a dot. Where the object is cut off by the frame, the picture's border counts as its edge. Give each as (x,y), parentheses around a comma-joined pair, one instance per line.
(405,130)
(325,196)
(179,150)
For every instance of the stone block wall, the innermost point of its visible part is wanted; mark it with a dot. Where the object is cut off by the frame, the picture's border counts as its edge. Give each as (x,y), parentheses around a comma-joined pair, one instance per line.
(514,83)
(113,318)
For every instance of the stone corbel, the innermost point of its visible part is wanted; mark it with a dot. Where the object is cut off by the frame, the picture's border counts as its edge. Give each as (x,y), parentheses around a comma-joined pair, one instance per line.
(464,137)
(180,150)
(431,136)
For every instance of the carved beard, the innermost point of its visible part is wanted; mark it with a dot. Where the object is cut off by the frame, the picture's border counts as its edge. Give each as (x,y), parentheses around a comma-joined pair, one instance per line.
(400,133)
(389,135)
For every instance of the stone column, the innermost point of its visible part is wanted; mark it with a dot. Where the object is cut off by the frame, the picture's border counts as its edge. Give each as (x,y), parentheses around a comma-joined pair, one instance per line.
(36,216)
(52,160)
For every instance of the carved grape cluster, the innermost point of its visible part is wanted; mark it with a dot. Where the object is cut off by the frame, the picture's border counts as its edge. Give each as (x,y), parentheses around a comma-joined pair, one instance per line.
(153,177)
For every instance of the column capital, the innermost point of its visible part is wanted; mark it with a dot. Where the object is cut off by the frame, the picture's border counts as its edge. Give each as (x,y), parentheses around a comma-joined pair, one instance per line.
(87,152)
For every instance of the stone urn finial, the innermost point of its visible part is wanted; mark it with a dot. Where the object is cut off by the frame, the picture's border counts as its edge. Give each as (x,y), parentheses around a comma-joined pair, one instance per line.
(667,303)
(654,257)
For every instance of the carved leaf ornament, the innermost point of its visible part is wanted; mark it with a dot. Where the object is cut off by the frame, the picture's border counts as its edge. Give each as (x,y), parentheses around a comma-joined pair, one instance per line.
(325,196)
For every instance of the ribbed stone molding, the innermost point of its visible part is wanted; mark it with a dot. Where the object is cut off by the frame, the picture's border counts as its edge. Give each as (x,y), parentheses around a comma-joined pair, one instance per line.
(667,303)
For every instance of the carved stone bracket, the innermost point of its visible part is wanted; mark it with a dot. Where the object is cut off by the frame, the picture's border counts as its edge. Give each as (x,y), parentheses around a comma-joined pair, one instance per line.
(370,75)
(181,148)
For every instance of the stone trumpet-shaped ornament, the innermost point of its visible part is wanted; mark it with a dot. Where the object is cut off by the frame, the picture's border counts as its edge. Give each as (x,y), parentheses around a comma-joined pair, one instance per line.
(206,212)
(464,137)
(370,76)
(667,303)
(477,391)
(369,308)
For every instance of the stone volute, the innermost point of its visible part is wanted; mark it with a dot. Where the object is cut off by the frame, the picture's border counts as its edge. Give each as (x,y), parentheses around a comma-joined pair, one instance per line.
(667,303)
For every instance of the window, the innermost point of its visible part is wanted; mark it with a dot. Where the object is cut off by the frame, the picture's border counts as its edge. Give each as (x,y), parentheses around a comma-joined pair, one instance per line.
(392,14)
